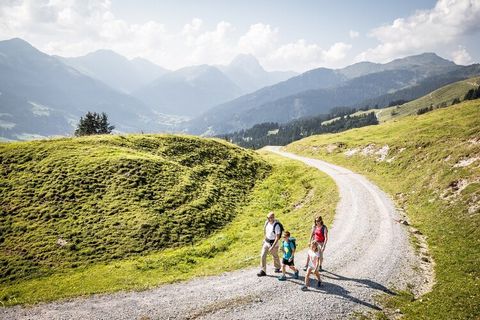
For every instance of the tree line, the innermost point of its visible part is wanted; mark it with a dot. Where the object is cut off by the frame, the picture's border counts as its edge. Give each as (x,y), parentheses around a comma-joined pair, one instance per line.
(472,94)
(272,133)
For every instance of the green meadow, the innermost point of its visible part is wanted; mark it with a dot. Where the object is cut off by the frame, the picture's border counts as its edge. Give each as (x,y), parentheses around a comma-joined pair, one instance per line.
(430,164)
(108,213)
(440,98)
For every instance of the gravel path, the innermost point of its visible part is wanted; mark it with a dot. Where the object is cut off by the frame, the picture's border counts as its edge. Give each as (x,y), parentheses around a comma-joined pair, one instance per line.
(368,253)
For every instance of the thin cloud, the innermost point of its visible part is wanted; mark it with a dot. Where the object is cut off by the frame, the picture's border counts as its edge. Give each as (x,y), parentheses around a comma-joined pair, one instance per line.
(425,30)
(353,34)
(73,28)
(461,56)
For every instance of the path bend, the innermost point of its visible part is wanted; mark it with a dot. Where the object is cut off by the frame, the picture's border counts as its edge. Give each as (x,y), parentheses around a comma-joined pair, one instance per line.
(367,254)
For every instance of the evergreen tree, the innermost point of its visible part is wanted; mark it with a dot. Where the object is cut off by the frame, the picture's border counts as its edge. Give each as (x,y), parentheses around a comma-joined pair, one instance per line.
(93,123)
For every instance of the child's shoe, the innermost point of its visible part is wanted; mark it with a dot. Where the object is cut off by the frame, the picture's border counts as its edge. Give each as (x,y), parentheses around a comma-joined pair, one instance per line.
(282,278)
(296,274)
(304,288)
(305,268)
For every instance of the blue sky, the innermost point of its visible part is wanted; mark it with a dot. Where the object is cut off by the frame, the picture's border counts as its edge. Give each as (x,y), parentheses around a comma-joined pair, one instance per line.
(283,35)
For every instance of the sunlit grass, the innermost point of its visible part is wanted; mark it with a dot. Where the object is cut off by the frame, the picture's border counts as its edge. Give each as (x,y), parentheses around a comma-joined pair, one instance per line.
(441,197)
(235,246)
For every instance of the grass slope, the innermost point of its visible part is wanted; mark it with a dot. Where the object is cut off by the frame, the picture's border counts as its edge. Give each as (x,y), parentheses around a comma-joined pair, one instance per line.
(432,168)
(71,202)
(294,191)
(439,98)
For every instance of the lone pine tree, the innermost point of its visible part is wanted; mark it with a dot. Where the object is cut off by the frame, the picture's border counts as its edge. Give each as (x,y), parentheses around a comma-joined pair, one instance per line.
(93,123)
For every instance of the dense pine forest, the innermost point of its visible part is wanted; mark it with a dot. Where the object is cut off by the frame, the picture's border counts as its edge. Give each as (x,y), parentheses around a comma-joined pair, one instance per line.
(272,133)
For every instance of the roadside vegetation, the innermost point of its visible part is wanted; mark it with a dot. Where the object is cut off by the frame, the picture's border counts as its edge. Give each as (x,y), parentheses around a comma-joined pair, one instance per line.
(108,213)
(430,164)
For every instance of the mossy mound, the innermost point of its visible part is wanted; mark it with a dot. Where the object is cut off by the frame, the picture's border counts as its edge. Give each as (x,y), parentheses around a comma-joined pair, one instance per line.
(70,202)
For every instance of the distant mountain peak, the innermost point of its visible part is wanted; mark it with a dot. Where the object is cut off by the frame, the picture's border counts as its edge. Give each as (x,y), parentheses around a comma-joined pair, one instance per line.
(17,43)
(16,40)
(246,61)
(423,58)
(105,54)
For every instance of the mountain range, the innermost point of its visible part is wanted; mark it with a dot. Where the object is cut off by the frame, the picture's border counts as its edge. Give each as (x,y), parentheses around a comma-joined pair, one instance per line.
(115,70)
(317,91)
(43,95)
(247,73)
(189,91)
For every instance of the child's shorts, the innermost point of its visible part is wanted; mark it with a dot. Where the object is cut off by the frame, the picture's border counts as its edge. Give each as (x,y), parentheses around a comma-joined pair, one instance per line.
(287,262)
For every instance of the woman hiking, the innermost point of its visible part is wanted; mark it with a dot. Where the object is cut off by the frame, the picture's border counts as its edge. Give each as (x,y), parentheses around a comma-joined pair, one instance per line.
(319,234)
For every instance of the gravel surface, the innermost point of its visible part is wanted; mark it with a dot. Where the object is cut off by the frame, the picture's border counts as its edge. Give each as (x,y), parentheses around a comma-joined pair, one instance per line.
(368,254)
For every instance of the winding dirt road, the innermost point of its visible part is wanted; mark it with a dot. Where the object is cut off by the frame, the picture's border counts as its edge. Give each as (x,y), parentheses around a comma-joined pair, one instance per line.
(368,253)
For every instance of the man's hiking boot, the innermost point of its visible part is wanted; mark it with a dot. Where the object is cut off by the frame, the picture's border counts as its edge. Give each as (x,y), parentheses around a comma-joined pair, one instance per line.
(296,274)
(278,270)
(282,278)
(319,283)
(261,273)
(304,288)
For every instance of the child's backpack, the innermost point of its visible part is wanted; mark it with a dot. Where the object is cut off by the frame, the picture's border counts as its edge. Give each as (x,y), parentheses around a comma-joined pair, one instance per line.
(293,241)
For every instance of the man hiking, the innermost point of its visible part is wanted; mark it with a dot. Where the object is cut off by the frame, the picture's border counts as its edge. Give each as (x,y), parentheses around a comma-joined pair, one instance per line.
(273,232)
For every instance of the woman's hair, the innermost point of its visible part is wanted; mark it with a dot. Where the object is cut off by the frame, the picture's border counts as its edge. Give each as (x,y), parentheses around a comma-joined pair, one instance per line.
(318,219)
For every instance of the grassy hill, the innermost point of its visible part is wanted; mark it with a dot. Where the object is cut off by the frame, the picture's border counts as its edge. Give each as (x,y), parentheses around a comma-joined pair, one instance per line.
(107,213)
(430,164)
(439,98)
(71,202)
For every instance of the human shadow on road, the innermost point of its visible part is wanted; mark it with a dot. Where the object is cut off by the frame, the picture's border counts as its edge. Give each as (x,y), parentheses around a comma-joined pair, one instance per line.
(335,289)
(365,282)
(330,288)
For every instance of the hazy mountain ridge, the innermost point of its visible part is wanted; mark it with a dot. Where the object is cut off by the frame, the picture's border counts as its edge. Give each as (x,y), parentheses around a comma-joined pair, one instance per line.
(65,88)
(229,111)
(317,91)
(426,63)
(115,70)
(422,87)
(188,91)
(249,75)
(40,94)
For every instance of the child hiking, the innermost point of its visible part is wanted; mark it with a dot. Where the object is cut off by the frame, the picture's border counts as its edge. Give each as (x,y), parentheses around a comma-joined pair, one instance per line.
(320,236)
(312,266)
(288,248)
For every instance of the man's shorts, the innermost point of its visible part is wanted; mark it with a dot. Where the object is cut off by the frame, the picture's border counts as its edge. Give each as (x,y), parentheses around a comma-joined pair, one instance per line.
(287,262)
